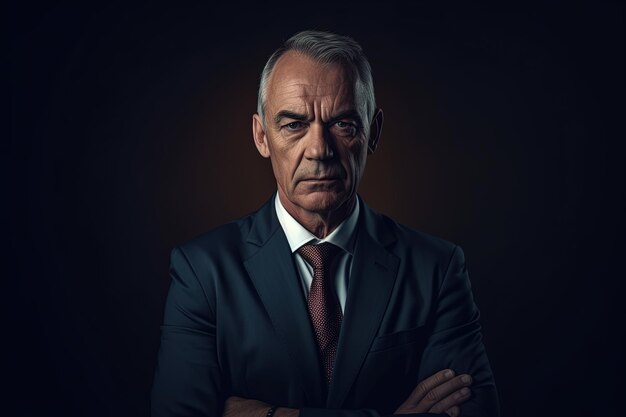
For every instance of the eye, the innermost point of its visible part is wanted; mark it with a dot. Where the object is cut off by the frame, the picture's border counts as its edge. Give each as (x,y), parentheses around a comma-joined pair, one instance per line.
(293,126)
(345,128)
(345,125)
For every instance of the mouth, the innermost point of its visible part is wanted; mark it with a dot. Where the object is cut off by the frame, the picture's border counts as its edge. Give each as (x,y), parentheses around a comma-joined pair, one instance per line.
(323,179)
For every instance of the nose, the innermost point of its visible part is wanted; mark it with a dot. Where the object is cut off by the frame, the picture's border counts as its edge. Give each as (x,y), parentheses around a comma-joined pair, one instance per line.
(319,143)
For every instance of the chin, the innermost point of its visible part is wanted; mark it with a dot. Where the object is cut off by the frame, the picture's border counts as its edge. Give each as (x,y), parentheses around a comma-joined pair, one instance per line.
(322,201)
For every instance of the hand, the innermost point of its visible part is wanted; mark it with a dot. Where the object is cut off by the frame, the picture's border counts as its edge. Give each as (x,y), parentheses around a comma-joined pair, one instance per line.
(243,407)
(439,393)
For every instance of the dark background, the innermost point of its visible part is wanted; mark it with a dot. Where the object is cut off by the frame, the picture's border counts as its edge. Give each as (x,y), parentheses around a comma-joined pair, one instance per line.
(131,133)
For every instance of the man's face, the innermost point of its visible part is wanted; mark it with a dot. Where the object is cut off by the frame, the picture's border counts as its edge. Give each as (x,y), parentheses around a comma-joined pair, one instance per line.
(313,133)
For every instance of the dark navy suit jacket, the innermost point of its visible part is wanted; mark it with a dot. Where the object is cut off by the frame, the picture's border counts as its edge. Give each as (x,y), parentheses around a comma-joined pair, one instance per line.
(236,323)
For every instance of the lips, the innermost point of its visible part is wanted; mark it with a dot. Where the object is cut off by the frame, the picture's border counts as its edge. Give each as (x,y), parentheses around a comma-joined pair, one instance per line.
(321,179)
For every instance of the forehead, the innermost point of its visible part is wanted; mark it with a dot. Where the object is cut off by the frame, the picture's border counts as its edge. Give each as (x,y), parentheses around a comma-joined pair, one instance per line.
(298,81)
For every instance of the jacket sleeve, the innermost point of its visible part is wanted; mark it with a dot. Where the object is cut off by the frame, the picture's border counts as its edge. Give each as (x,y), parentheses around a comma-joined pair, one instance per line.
(456,340)
(187,379)
(322,412)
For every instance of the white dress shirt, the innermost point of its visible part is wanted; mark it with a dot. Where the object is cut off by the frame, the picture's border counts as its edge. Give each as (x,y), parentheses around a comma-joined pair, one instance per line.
(343,236)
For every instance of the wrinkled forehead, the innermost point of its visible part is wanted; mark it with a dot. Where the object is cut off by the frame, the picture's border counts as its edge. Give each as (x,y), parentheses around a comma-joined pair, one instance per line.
(300,81)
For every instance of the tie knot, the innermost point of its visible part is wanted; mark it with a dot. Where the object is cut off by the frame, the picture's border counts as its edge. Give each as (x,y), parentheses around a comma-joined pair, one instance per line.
(318,256)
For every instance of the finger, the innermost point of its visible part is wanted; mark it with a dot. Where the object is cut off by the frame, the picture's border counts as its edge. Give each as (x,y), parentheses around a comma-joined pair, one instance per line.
(433,381)
(442,391)
(454,411)
(454,399)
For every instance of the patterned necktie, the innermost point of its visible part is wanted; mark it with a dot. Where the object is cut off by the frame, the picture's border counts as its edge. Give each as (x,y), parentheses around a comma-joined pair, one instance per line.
(324,307)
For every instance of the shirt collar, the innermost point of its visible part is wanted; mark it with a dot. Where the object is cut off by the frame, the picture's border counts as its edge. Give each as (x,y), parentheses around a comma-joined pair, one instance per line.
(343,236)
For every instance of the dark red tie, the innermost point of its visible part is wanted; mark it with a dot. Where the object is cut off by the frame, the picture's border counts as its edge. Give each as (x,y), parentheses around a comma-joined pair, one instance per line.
(324,307)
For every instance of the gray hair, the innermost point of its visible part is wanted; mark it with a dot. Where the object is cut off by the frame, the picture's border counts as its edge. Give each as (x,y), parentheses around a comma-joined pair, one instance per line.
(326,48)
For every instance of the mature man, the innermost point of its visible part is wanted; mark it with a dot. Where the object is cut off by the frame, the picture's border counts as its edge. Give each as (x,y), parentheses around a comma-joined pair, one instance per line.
(315,305)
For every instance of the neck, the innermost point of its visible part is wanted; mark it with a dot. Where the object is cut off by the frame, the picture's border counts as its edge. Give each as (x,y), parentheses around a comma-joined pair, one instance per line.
(320,223)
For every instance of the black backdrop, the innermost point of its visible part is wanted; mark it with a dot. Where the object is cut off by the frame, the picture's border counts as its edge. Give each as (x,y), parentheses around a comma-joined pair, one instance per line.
(131,133)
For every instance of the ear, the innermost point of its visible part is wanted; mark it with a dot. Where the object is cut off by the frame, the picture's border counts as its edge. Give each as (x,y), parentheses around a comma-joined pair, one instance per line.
(260,138)
(376,129)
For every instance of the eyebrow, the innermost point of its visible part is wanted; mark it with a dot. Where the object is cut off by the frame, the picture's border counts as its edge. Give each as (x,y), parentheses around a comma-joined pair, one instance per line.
(348,114)
(286,114)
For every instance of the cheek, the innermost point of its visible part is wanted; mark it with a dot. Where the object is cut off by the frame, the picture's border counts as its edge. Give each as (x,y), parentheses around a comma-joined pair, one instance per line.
(355,155)
(285,164)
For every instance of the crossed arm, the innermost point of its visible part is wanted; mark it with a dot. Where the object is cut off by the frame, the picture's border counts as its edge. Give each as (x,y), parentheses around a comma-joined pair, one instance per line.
(442,392)
(188,382)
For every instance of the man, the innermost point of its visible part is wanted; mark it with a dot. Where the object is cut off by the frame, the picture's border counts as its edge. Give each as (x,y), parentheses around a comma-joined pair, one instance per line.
(316,305)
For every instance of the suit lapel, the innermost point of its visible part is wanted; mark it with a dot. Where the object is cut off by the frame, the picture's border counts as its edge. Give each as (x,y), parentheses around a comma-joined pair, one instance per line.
(275,278)
(371,281)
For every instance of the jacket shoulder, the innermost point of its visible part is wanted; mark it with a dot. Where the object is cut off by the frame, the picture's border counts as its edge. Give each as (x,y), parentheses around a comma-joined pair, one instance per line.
(418,243)
(220,241)
(429,258)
